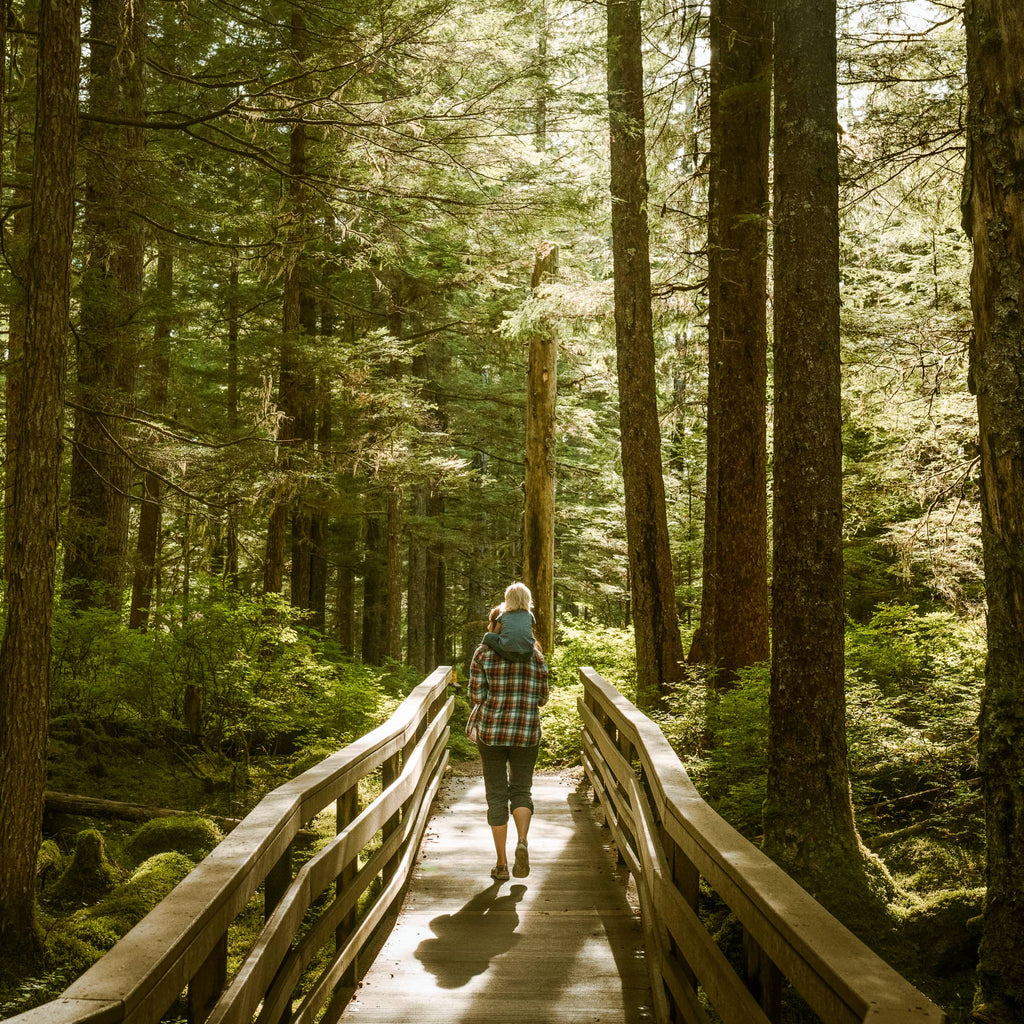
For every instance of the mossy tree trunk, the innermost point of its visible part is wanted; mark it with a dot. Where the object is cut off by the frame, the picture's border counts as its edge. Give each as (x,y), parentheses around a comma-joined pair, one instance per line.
(808,818)
(659,652)
(31,522)
(994,216)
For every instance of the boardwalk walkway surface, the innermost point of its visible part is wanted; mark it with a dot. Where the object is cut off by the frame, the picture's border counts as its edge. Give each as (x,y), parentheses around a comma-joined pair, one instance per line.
(561,945)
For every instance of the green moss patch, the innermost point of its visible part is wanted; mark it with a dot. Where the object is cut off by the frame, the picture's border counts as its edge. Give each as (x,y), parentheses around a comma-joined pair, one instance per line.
(81,939)
(89,875)
(191,835)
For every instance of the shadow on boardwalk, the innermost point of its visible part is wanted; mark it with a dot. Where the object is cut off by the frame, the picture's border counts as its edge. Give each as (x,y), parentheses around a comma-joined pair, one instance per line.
(468,940)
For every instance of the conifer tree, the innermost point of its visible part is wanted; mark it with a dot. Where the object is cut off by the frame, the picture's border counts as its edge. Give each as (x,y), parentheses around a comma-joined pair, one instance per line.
(994,184)
(658,645)
(808,814)
(31,521)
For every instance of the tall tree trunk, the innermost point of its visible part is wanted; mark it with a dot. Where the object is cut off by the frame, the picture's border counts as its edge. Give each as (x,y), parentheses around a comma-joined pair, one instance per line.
(416,589)
(994,216)
(320,527)
(540,129)
(150,512)
(107,346)
(437,634)
(659,652)
(393,503)
(294,392)
(31,522)
(21,120)
(736,513)
(347,539)
(374,590)
(393,576)
(416,592)
(539,506)
(233,317)
(808,815)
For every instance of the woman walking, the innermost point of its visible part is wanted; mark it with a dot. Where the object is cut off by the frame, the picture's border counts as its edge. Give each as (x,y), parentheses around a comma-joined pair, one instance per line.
(505,722)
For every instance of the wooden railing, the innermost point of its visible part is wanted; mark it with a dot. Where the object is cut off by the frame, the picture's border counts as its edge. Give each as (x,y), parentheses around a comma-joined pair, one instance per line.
(182,945)
(669,839)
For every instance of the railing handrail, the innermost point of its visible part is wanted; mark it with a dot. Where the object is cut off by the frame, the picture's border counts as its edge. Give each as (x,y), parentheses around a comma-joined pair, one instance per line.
(673,837)
(182,942)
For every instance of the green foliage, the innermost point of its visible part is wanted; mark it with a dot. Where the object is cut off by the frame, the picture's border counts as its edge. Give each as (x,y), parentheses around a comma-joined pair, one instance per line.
(722,739)
(257,673)
(914,684)
(608,650)
(611,652)
(560,727)
(191,834)
(944,925)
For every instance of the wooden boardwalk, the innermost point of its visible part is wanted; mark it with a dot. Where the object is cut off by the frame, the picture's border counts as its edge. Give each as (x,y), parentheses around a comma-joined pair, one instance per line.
(562,944)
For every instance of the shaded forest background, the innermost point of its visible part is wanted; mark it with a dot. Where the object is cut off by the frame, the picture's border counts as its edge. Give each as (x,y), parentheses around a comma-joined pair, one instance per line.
(294,441)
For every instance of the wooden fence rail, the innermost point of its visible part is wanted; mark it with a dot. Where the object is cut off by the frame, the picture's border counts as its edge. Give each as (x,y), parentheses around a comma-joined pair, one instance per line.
(670,839)
(182,945)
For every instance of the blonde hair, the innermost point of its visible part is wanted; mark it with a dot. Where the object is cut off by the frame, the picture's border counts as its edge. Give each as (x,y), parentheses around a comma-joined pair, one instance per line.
(518,598)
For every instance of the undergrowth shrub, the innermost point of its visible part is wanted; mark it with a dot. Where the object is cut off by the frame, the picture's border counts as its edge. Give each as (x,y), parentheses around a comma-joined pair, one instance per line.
(237,672)
(610,651)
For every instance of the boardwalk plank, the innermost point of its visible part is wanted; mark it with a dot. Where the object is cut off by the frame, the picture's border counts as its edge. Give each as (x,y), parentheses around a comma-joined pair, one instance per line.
(562,944)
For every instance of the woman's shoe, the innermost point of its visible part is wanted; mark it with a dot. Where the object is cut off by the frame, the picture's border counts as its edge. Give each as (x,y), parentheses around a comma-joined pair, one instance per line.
(521,867)
(500,872)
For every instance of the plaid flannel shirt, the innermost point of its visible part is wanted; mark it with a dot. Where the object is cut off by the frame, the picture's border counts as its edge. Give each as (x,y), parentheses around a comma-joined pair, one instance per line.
(508,694)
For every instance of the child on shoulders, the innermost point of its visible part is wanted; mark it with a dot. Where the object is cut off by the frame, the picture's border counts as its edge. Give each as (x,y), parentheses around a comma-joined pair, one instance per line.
(514,639)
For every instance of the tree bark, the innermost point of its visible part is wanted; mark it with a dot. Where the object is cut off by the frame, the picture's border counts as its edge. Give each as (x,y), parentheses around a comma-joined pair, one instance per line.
(19,118)
(416,592)
(808,818)
(25,652)
(393,577)
(347,534)
(374,590)
(659,652)
(294,390)
(736,512)
(437,634)
(994,217)
(150,511)
(107,344)
(539,506)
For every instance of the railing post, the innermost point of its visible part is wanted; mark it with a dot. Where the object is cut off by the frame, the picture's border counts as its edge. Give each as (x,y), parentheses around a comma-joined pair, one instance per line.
(208,982)
(686,879)
(389,772)
(278,879)
(763,978)
(346,809)
(274,887)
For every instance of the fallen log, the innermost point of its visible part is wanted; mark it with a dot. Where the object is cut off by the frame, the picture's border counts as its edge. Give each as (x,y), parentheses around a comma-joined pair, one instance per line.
(94,807)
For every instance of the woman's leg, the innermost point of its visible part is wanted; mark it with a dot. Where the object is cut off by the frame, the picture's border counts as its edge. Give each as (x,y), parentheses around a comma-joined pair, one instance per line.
(500,835)
(496,788)
(522,816)
(521,763)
